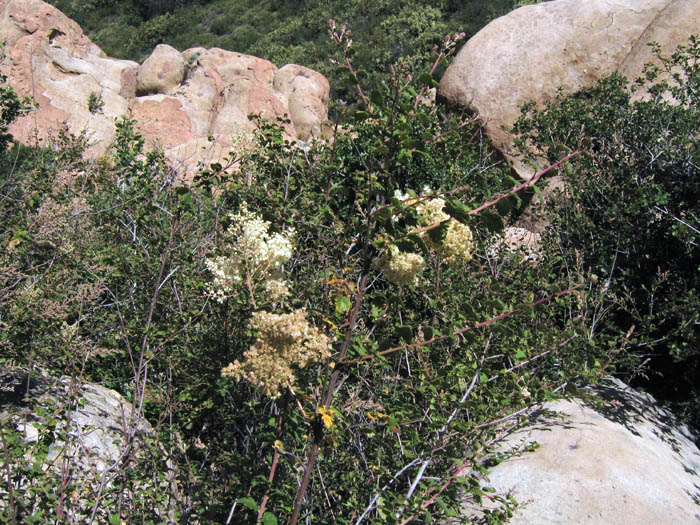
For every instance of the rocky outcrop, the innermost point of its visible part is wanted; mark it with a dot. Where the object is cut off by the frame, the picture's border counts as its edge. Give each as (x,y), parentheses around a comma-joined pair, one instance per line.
(93,434)
(616,458)
(50,59)
(307,94)
(190,103)
(162,72)
(531,52)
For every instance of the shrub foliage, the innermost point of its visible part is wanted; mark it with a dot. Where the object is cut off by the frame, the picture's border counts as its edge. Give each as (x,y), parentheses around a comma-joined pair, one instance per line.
(631,211)
(111,276)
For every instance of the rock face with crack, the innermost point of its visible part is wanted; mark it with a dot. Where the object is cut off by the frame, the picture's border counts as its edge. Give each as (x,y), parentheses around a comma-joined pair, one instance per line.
(190,103)
(529,53)
(618,458)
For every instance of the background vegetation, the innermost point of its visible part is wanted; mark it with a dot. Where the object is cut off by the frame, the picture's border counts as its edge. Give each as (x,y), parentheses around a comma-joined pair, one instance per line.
(285,31)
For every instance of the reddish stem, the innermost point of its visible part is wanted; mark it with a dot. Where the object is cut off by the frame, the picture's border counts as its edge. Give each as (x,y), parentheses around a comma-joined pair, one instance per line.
(352,319)
(465,329)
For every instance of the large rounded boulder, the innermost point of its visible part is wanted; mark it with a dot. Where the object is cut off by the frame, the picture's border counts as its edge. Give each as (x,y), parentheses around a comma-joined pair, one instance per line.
(615,457)
(162,72)
(531,52)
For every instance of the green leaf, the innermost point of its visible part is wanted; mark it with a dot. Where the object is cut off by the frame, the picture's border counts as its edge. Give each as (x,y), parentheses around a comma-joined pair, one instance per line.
(526,308)
(269,519)
(493,222)
(437,235)
(494,306)
(114,519)
(376,98)
(455,208)
(512,181)
(405,332)
(248,503)
(342,304)
(429,333)
(385,214)
(426,78)
(505,206)
(539,194)
(469,312)
(413,244)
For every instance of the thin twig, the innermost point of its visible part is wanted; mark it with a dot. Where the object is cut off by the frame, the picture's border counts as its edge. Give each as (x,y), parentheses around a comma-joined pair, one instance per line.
(379,493)
(350,330)
(465,329)
(440,491)
(505,195)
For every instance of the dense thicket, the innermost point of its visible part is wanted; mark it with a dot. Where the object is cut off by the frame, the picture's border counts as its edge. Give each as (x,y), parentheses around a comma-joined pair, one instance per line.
(631,213)
(439,337)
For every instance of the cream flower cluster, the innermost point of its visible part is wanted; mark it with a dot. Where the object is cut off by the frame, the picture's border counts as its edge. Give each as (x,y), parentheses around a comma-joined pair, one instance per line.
(401,267)
(255,257)
(284,341)
(457,246)
(455,249)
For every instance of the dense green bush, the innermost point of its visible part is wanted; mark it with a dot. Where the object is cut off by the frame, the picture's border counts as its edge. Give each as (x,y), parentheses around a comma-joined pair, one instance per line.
(111,276)
(631,211)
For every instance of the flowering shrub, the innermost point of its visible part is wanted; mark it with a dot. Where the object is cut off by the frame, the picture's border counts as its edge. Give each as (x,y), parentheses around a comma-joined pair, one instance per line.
(345,417)
(287,375)
(284,341)
(455,245)
(254,257)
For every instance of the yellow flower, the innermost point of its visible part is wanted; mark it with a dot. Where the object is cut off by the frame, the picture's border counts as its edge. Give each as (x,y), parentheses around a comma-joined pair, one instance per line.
(326,416)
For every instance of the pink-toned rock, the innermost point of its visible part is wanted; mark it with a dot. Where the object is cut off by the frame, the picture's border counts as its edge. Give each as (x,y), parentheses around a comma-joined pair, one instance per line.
(50,59)
(193,104)
(307,95)
(128,82)
(245,87)
(162,72)
(162,120)
(531,52)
